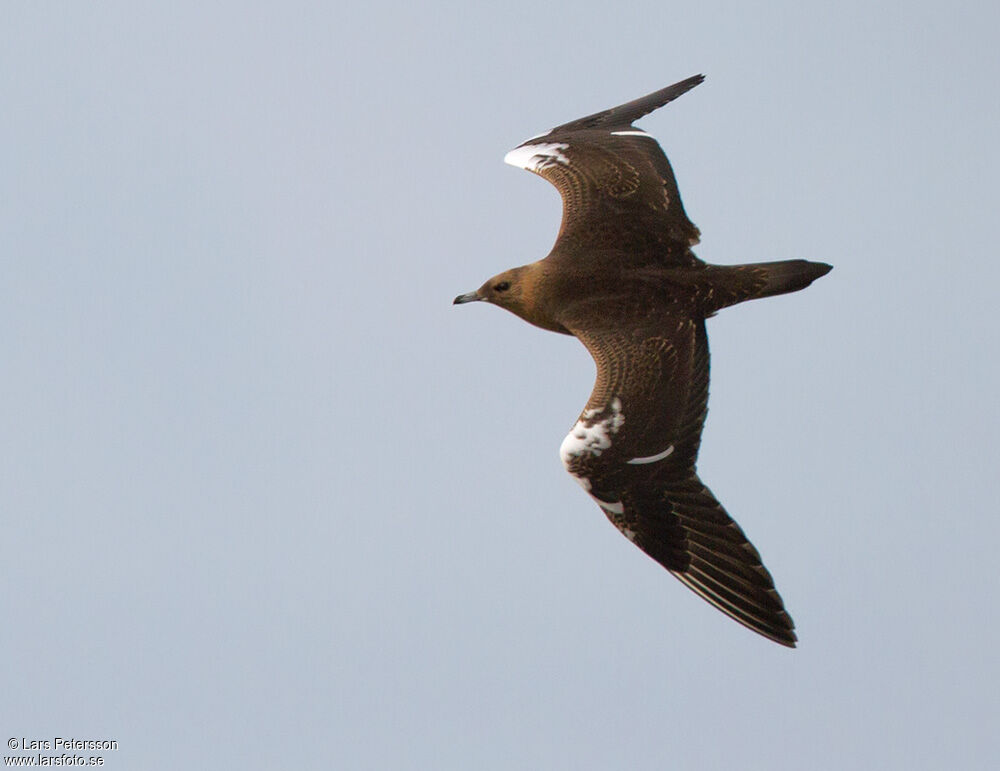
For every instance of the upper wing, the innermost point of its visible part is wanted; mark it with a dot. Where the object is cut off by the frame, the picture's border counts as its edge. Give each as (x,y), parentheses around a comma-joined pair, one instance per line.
(617,186)
(634,450)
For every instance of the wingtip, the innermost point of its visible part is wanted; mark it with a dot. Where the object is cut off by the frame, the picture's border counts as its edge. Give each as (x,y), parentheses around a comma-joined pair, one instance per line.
(688,83)
(628,113)
(775,632)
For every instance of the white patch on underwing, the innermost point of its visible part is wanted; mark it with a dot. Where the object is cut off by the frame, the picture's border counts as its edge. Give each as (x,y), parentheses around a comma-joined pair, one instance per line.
(631,133)
(652,458)
(537,157)
(612,508)
(590,436)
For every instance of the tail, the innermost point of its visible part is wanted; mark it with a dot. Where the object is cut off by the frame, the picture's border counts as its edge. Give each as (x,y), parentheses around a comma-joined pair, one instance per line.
(788,276)
(731,284)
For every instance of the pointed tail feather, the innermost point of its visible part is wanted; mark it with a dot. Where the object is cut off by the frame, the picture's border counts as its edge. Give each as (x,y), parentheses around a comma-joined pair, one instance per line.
(789,276)
(725,285)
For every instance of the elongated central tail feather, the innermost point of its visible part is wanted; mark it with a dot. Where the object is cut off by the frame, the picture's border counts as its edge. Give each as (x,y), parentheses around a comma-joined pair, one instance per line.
(788,276)
(732,284)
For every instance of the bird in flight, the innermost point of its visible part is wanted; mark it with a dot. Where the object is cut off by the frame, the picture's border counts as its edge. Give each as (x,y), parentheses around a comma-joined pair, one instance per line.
(622,278)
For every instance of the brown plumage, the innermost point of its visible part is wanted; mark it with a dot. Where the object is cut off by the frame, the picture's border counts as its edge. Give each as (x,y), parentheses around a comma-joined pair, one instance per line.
(622,278)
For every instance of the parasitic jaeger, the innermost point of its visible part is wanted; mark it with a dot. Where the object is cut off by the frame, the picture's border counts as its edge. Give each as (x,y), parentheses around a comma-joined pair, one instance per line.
(622,278)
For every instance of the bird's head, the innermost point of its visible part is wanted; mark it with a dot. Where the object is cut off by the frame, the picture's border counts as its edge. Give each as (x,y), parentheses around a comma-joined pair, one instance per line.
(506,289)
(522,291)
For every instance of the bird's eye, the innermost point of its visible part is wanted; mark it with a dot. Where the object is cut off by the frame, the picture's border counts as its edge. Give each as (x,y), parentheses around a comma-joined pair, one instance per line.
(503,286)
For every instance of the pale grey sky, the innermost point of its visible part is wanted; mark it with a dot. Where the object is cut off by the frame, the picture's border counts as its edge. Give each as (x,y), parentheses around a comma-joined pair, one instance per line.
(269,500)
